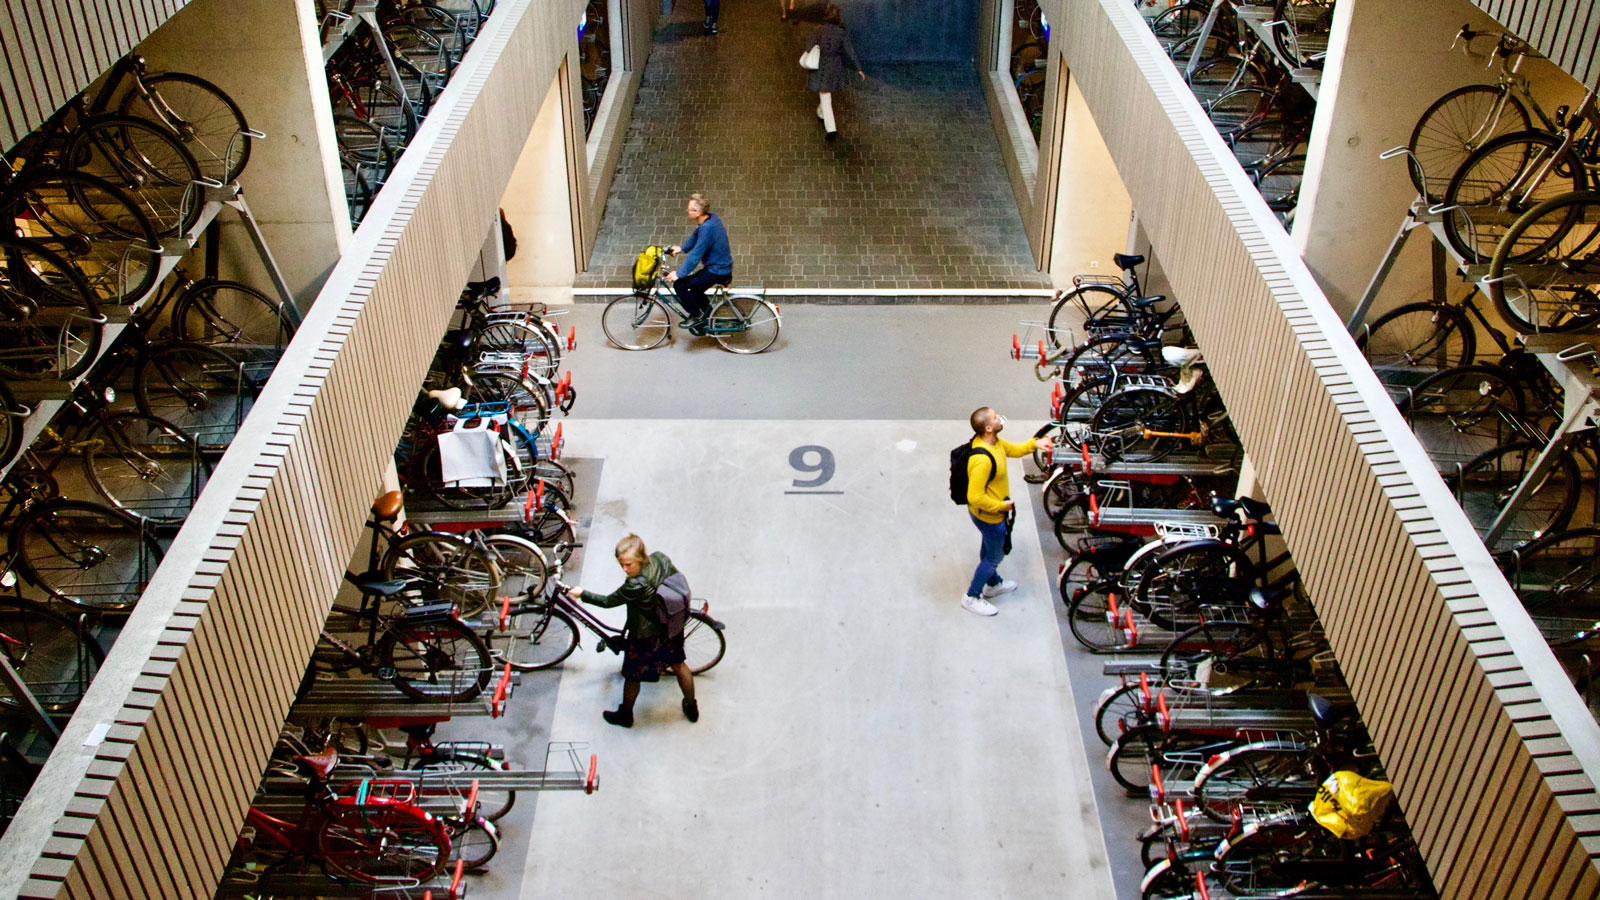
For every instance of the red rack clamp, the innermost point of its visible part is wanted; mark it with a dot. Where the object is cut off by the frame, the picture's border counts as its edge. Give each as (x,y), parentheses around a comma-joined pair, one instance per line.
(1200,884)
(1161,711)
(471,802)
(527,508)
(1016,347)
(502,688)
(455,879)
(591,782)
(572,338)
(1158,788)
(505,612)
(1183,821)
(1130,627)
(556,443)
(1088,465)
(1094,510)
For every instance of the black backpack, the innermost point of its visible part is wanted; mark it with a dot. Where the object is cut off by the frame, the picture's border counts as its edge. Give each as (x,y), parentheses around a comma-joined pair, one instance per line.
(958,471)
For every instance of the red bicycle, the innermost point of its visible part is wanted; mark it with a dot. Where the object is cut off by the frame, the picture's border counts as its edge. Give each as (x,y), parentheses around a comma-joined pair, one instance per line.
(376,835)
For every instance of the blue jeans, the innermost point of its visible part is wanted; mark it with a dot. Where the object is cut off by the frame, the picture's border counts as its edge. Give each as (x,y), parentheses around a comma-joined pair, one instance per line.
(713,8)
(994,550)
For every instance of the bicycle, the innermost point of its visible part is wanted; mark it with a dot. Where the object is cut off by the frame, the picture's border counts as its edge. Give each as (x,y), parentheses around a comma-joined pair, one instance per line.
(376,836)
(1468,117)
(460,569)
(540,633)
(741,320)
(1147,417)
(1560,290)
(56,657)
(418,645)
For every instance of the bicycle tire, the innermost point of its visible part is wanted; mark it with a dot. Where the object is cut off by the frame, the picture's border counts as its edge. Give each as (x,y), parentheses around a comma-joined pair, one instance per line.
(198,388)
(1088,619)
(1459,413)
(532,342)
(1274,771)
(382,842)
(146,161)
(1455,125)
(212,127)
(1478,208)
(1258,862)
(1211,645)
(538,637)
(1231,112)
(1115,706)
(1092,301)
(1426,335)
(1483,485)
(474,843)
(121,256)
(231,313)
(1132,754)
(1260,145)
(62,547)
(60,344)
(443,661)
(55,657)
(472,497)
(757,322)
(1558,573)
(1569,242)
(1116,430)
(523,567)
(377,102)
(1220,74)
(1303,30)
(1191,575)
(145,466)
(1178,22)
(1279,184)
(703,643)
(492,804)
(11,417)
(636,323)
(366,142)
(460,571)
(1064,491)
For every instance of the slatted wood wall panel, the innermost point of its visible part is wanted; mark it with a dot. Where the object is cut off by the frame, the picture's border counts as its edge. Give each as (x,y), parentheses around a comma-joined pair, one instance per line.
(52,49)
(199,684)
(1493,755)
(1567,31)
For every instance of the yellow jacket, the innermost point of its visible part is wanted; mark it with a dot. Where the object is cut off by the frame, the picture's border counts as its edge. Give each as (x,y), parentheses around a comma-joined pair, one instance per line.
(986,495)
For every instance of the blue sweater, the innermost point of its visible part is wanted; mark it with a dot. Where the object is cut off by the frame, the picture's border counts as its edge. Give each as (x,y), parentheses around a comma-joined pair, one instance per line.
(709,245)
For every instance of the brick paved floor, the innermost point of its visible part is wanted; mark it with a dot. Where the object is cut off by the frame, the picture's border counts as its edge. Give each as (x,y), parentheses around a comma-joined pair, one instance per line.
(913,194)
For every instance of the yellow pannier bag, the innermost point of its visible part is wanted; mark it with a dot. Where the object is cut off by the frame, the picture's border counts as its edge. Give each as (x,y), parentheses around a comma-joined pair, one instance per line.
(1349,805)
(645,269)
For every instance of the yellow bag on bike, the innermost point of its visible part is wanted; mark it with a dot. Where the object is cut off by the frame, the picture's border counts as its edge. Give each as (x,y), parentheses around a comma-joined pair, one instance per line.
(645,269)
(1349,805)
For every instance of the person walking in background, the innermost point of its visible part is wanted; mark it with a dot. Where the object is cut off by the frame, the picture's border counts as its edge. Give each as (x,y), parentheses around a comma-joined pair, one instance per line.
(831,74)
(707,246)
(713,9)
(990,506)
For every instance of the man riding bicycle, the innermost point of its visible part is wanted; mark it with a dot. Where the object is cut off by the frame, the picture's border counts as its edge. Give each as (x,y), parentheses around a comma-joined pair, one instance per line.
(706,247)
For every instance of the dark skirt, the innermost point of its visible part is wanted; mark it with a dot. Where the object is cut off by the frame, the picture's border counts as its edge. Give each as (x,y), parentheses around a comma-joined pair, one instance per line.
(644,660)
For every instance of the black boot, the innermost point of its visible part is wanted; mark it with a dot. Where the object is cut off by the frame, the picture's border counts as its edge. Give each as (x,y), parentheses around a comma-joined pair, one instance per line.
(620,717)
(691,710)
(708,26)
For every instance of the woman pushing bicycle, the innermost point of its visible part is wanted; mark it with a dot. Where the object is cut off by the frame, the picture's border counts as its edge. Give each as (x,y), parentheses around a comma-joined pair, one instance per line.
(653,636)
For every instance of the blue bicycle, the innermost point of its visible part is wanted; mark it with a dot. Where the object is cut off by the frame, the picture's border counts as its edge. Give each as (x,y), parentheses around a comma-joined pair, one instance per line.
(741,320)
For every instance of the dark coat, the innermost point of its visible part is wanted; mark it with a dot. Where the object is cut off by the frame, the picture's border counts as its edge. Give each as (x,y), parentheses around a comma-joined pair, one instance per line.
(831,73)
(638,594)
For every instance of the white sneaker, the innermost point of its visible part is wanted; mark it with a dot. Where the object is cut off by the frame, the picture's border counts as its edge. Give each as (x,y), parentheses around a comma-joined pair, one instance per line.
(978,605)
(995,590)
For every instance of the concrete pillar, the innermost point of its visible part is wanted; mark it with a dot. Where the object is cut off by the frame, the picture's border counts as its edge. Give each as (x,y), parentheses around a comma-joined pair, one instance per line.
(1388,61)
(268,58)
(538,204)
(1092,206)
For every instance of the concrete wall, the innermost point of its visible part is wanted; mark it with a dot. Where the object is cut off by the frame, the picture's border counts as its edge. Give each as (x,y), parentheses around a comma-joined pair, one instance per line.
(1092,207)
(1389,60)
(273,70)
(538,204)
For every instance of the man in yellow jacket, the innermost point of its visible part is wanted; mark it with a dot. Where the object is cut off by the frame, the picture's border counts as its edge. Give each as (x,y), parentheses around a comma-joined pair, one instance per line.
(989,504)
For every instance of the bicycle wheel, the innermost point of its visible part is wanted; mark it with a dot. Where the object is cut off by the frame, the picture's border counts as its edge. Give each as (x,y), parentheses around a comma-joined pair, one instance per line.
(1559,294)
(1557,574)
(198,388)
(227,312)
(1132,754)
(1192,575)
(121,256)
(55,656)
(146,161)
(1483,485)
(1426,336)
(1221,74)
(1204,652)
(443,661)
(1276,772)
(1081,306)
(1089,618)
(1459,413)
(526,396)
(1178,22)
(538,637)
(1302,32)
(1064,491)
(533,343)
(523,567)
(145,467)
(1279,184)
(703,643)
(12,414)
(380,843)
(1486,195)
(473,493)
(1264,860)
(492,805)
(1119,709)
(1455,125)
(636,323)
(207,121)
(50,323)
(1259,145)
(90,556)
(1232,111)
(460,571)
(1117,427)
(744,324)
(474,842)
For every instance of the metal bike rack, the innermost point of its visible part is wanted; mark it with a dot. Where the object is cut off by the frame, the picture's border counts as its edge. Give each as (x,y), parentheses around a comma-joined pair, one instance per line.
(1570,357)
(1259,20)
(363,13)
(368,698)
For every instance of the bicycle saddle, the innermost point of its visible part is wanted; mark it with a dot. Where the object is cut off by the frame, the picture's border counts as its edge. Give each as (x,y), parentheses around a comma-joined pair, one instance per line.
(388,506)
(1225,507)
(375,583)
(449,398)
(1326,712)
(1255,509)
(1124,261)
(484,288)
(1142,302)
(320,765)
(1181,356)
(1268,599)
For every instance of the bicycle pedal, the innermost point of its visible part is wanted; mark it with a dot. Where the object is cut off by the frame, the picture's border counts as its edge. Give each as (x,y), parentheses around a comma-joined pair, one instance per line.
(386,674)
(1032,478)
